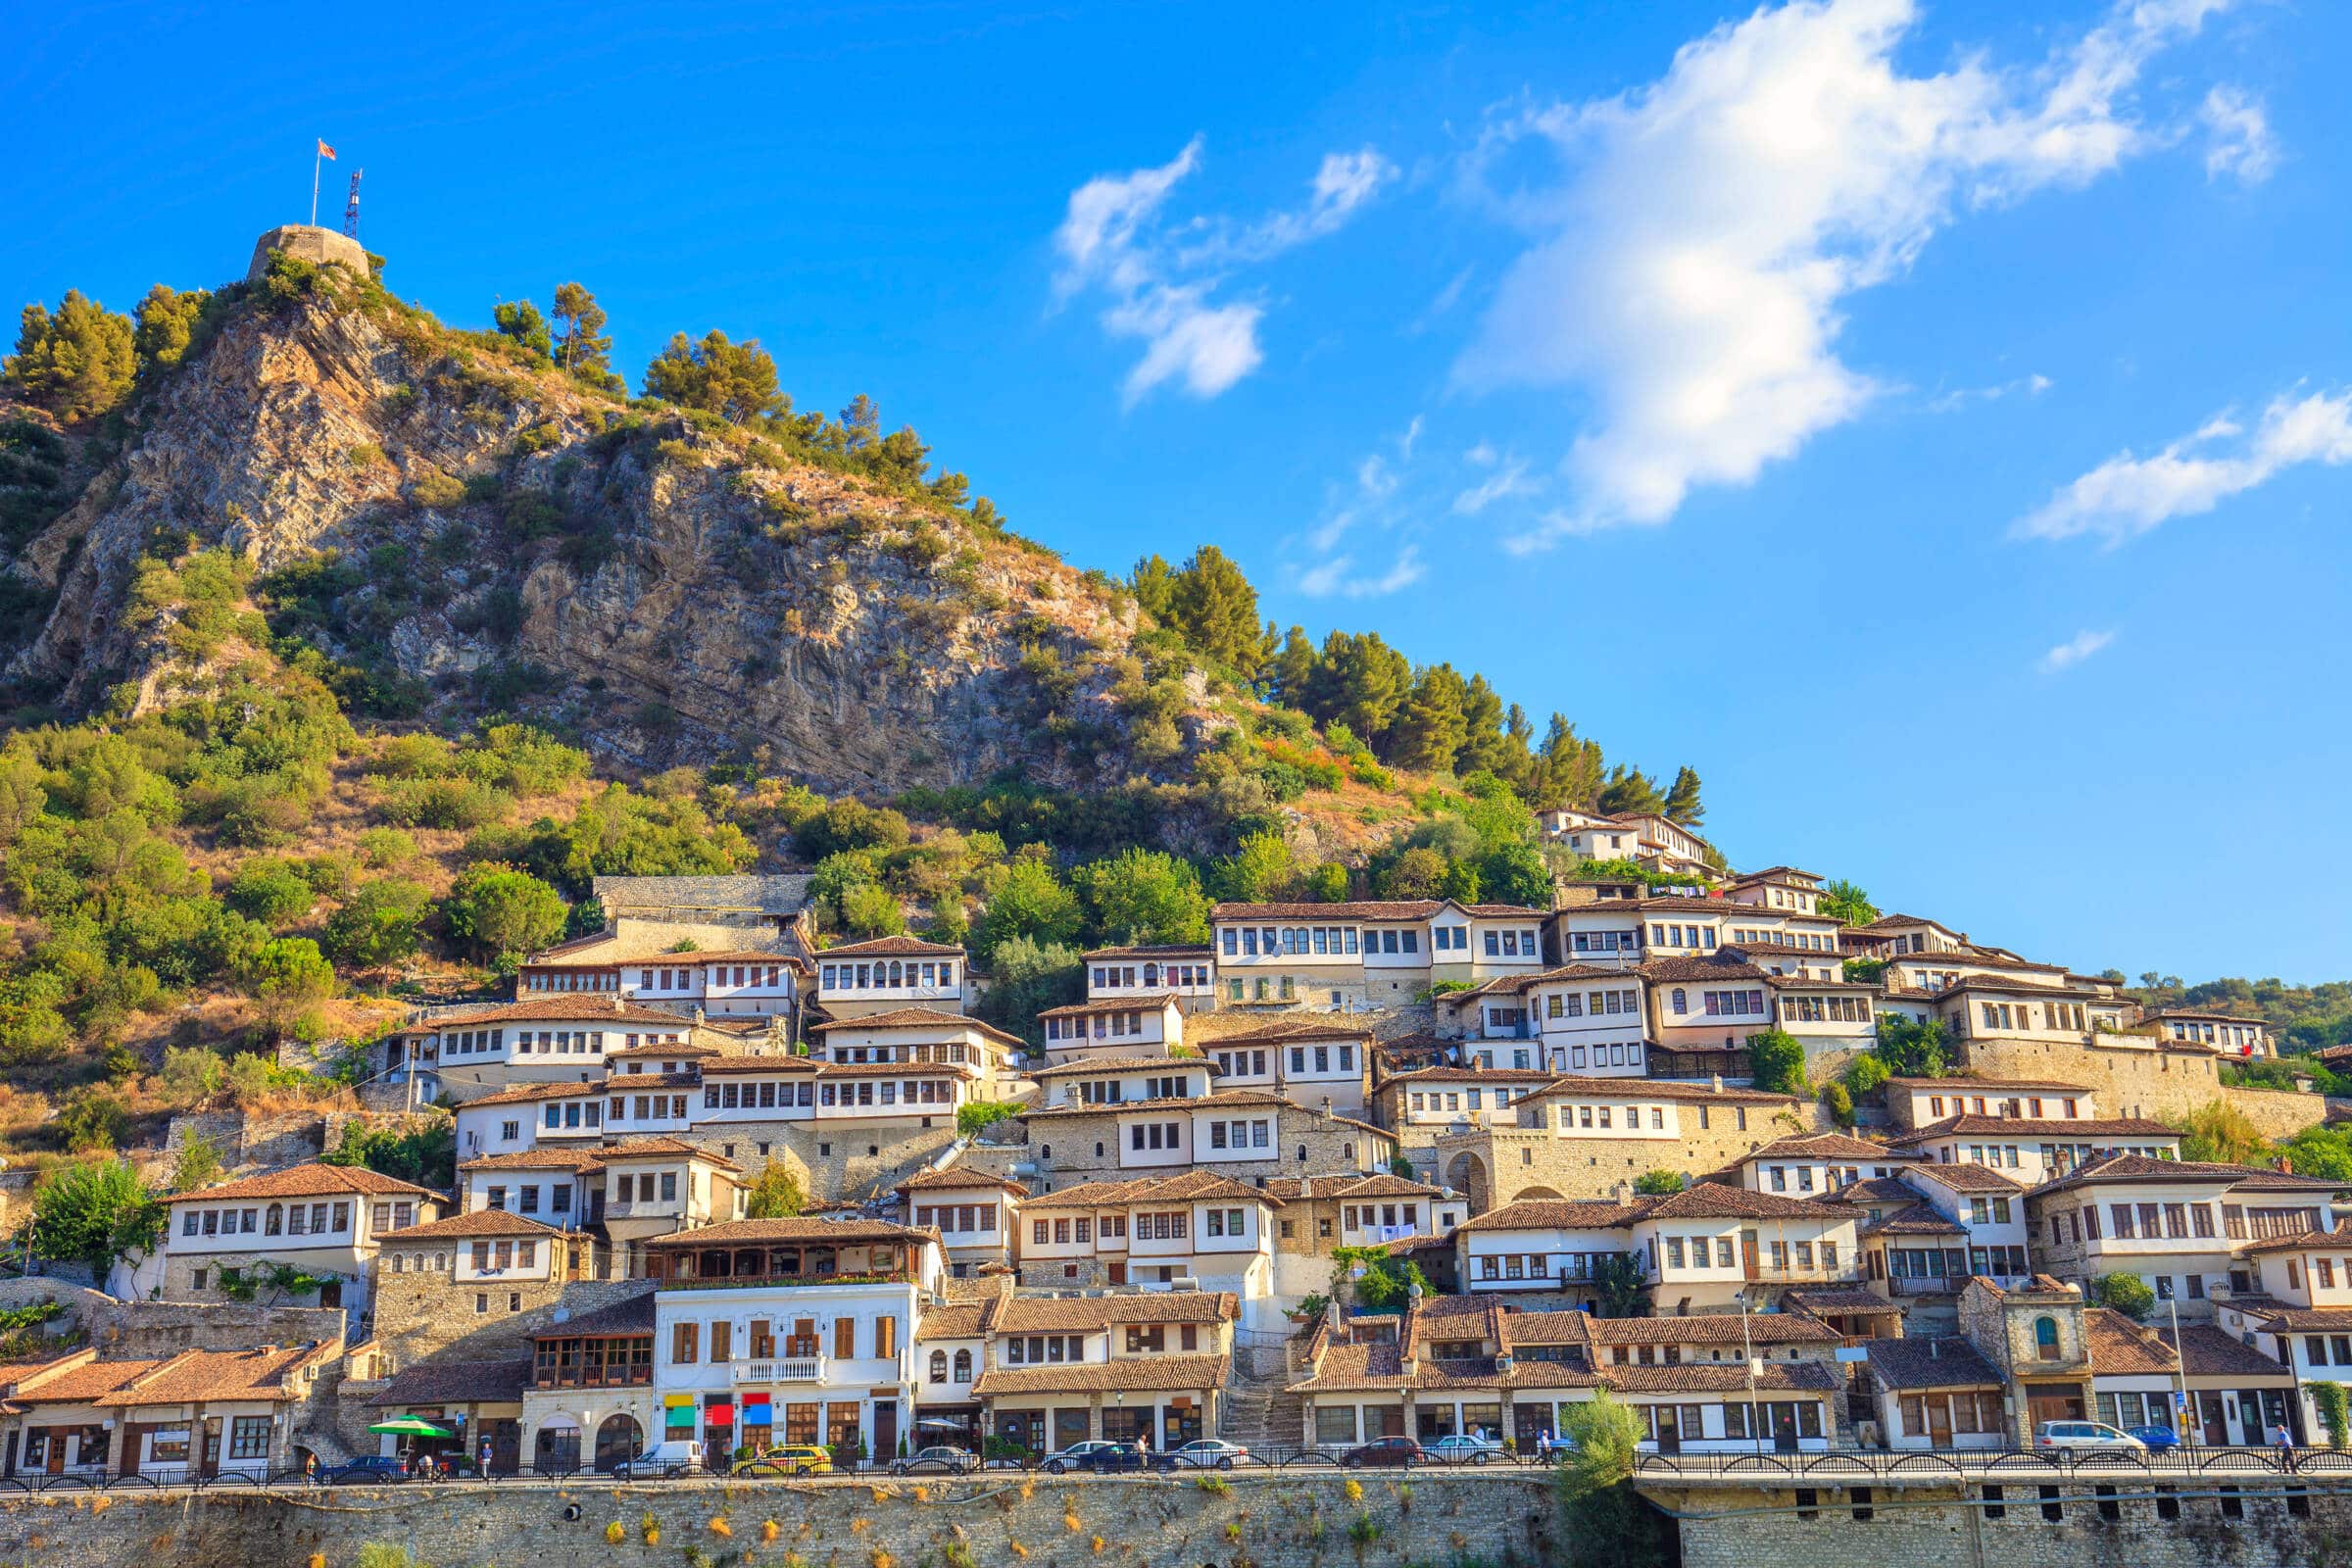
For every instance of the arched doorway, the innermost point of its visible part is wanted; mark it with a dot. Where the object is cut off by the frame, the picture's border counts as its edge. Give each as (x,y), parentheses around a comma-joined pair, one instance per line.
(1466,1174)
(618,1438)
(558,1451)
(1531,1194)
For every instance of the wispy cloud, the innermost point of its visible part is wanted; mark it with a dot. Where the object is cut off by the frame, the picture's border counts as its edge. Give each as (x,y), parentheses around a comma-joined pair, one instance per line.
(1369,507)
(1339,576)
(2030,386)
(1509,479)
(2075,649)
(2126,496)
(1160,282)
(2239,142)
(1689,264)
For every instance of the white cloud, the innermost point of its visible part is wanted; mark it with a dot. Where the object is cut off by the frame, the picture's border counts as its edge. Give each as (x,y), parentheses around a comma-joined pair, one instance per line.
(2075,650)
(2239,144)
(2030,386)
(2126,496)
(1689,268)
(1160,282)
(1333,577)
(1509,480)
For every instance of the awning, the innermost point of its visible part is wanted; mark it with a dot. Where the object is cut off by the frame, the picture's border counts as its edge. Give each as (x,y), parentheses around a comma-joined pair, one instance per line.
(679,1415)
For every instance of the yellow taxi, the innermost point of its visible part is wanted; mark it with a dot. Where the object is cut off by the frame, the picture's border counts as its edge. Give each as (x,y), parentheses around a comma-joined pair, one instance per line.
(796,1460)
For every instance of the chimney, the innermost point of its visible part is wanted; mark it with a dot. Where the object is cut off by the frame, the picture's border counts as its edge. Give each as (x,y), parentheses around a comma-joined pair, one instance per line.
(1624,1194)
(1327,1107)
(2287,1164)
(1716,1083)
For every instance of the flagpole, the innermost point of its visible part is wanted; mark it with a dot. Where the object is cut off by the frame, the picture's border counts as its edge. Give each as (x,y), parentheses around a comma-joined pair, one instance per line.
(313,184)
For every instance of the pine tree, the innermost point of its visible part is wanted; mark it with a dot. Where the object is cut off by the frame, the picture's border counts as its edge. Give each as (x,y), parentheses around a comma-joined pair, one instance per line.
(1360,681)
(1483,749)
(736,381)
(1630,792)
(166,322)
(1153,583)
(1570,767)
(1291,672)
(521,322)
(860,423)
(582,347)
(1682,800)
(75,364)
(1429,729)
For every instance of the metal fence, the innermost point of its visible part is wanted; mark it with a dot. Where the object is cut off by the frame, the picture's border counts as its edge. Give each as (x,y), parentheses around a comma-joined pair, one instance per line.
(1997,1464)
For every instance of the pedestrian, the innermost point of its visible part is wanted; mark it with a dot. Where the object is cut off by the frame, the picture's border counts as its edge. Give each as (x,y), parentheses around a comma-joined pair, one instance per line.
(310,1468)
(1543,1446)
(2284,1442)
(485,1466)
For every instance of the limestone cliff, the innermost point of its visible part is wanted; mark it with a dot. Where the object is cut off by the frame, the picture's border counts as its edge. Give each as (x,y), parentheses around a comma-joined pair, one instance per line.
(472,532)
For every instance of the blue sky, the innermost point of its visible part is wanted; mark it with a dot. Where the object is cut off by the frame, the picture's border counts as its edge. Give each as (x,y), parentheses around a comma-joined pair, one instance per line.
(1930,422)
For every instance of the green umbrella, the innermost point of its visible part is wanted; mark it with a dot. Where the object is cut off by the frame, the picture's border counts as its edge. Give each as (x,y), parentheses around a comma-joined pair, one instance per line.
(409,1426)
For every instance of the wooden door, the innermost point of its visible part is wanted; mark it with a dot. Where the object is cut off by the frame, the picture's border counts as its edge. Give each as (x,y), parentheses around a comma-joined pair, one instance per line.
(2217,1423)
(1940,1421)
(1669,1434)
(1119,1272)
(886,1430)
(209,1457)
(55,1463)
(1748,1255)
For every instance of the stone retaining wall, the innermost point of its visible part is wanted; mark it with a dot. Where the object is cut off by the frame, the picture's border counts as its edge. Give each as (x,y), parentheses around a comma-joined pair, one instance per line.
(1270,1521)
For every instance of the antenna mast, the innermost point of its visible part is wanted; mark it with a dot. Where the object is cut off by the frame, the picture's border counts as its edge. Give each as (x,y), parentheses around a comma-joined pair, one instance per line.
(351,208)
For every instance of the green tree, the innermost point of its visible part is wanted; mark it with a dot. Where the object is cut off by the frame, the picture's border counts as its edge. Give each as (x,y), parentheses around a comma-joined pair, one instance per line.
(1619,1285)
(1658,1183)
(736,381)
(1144,895)
(1846,903)
(870,910)
(1428,728)
(1606,1522)
(1386,1282)
(2126,1293)
(1289,674)
(1682,803)
(424,1157)
(975,1117)
(582,345)
(288,979)
(1362,682)
(192,1076)
(1419,872)
(777,1194)
(1865,1073)
(1260,870)
(1775,1060)
(2220,1131)
(1032,903)
(269,891)
(1914,1049)
(1515,874)
(75,364)
(521,322)
(1027,977)
(1567,767)
(861,425)
(1213,607)
(1840,1103)
(1154,584)
(501,913)
(94,1212)
(32,1028)
(2329,1399)
(198,1164)
(381,924)
(167,323)
(95,1121)
(1629,790)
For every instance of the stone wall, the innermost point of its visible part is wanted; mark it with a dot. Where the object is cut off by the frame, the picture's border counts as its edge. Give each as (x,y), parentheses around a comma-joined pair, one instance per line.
(1494,1167)
(430,1315)
(1064,1149)
(2134,1081)
(130,1331)
(1940,1527)
(833,1160)
(1493,1517)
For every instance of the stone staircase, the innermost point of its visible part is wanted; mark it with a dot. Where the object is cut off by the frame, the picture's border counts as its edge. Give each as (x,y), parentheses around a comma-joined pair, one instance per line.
(1259,1414)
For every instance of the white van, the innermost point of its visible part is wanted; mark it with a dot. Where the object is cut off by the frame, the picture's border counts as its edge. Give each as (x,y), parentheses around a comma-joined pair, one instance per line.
(677,1457)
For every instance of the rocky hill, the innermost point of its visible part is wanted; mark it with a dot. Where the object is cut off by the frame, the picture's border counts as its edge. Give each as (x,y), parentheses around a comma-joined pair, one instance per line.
(457,530)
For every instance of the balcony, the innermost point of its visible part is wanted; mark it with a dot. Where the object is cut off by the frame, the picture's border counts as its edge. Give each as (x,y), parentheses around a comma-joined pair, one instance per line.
(783,1369)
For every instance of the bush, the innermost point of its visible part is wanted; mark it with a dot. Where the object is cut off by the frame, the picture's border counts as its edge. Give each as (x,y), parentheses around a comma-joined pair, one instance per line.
(1775,1060)
(1658,1183)
(379,925)
(501,913)
(436,491)
(271,891)
(1840,1104)
(2329,1399)
(2126,1293)
(1864,1075)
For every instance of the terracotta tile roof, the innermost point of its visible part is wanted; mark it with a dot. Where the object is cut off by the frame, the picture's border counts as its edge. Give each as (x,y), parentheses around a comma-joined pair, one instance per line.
(1646,1089)
(1710,1328)
(1973,1126)
(960,1320)
(661,1148)
(2120,1347)
(1158,1374)
(1930,1363)
(1871,1190)
(1282,1031)
(958,1176)
(891,948)
(671,1050)
(577,1160)
(2141,1168)
(1724,966)
(1111,1005)
(728,1066)
(456,1382)
(2208,1353)
(1916,1219)
(1709,1202)
(311,1179)
(2334,1239)
(1182,1187)
(524,1094)
(1556,1214)
(1826,1146)
(1967,1176)
(750,1232)
(631,1317)
(481,1222)
(896,1069)
(1467,1075)
(1708,1377)
(1331,1188)
(572,1007)
(1098,1064)
(1047,1315)
(920,1019)
(264,1374)
(1853,1299)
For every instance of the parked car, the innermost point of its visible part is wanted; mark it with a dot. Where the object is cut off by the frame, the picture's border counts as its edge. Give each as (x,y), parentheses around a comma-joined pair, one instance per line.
(2157,1439)
(375,1470)
(1087,1456)
(1461,1447)
(936,1461)
(1384,1451)
(2087,1437)
(795,1459)
(1110,1458)
(676,1457)
(1209,1454)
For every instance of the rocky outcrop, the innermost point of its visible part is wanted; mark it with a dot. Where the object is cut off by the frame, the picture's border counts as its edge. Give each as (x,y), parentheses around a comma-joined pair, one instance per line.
(482,533)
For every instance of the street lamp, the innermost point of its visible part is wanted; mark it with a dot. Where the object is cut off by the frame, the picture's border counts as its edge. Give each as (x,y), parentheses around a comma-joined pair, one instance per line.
(1747,1350)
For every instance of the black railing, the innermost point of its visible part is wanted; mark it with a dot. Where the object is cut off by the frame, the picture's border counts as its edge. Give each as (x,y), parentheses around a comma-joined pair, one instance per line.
(1996,1464)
